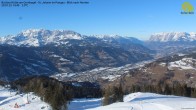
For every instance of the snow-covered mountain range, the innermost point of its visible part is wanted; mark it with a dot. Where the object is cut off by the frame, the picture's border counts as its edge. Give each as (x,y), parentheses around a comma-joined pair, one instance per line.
(39,51)
(173,36)
(40,37)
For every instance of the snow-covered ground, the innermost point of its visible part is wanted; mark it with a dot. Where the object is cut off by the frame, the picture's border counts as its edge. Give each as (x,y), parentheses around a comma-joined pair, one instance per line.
(9,99)
(83,104)
(134,101)
(138,101)
(185,63)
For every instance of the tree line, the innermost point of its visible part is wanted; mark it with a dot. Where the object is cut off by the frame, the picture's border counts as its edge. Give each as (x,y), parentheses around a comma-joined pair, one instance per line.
(56,93)
(113,94)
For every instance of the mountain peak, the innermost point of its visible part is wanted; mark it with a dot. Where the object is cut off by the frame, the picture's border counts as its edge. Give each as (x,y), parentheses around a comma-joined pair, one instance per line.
(173,36)
(37,37)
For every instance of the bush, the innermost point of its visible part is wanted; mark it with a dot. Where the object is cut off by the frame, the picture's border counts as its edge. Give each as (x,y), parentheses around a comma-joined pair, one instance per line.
(113,94)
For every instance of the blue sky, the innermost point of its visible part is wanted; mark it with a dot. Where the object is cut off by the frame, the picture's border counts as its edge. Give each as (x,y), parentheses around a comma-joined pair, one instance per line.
(135,18)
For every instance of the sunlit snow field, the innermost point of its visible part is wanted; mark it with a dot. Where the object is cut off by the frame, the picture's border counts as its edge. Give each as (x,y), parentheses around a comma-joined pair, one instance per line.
(8,99)
(138,101)
(134,101)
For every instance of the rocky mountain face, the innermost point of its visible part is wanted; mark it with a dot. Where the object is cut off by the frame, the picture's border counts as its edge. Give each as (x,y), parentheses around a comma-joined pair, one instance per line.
(38,52)
(39,37)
